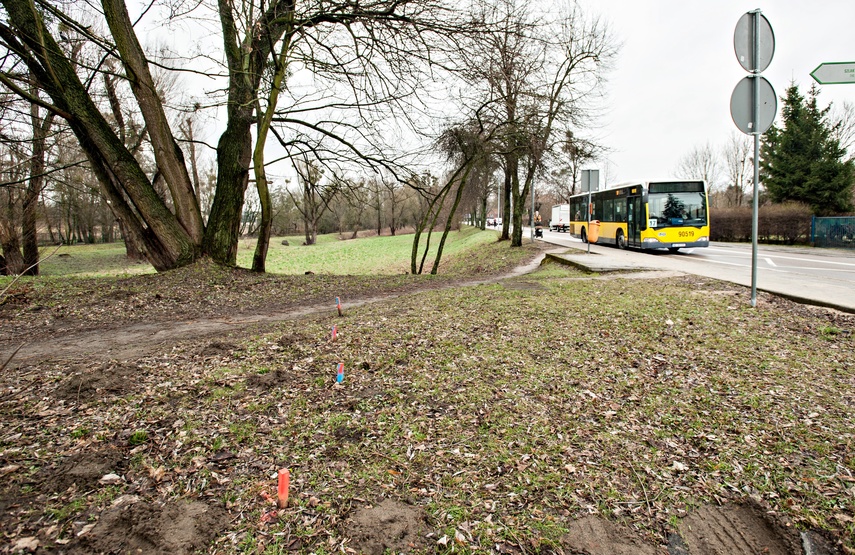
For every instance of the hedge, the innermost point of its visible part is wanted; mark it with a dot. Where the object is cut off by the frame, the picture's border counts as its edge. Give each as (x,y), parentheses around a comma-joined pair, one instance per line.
(777,223)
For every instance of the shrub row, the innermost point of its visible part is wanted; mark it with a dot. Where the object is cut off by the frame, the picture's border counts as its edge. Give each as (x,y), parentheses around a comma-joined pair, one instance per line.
(777,223)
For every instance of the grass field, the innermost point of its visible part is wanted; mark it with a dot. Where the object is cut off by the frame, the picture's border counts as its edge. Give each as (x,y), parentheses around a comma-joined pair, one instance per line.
(331,255)
(366,256)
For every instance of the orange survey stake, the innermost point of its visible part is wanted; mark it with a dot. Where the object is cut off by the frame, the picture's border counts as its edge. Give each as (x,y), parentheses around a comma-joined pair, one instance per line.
(284,486)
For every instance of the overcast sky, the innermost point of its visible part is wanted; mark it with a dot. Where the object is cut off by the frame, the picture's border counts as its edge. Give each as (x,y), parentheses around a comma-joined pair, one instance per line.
(670,90)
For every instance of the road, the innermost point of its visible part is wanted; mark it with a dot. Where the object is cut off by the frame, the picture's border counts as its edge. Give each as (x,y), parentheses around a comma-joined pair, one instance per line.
(820,276)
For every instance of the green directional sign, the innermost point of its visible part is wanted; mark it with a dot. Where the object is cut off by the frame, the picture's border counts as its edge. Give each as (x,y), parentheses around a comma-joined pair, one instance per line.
(834,73)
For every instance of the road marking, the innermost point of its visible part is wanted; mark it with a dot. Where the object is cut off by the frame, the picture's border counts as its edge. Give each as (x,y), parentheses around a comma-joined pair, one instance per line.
(725,263)
(770,262)
(748,255)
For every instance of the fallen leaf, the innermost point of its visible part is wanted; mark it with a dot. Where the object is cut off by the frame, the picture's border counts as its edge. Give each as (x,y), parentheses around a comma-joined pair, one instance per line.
(459,537)
(9,469)
(26,544)
(86,529)
(110,479)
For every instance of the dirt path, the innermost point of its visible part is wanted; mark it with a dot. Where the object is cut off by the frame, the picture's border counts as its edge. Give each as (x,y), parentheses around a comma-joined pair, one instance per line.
(142,339)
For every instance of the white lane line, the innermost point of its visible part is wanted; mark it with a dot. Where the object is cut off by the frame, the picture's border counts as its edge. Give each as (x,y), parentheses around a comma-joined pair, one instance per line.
(779,256)
(770,262)
(725,263)
(784,270)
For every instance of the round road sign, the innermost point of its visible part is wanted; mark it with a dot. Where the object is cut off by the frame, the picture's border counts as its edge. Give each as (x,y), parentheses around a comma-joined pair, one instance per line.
(742,105)
(743,42)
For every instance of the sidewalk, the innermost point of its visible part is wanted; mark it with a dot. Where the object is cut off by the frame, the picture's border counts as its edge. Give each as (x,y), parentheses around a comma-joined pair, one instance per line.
(596,262)
(797,287)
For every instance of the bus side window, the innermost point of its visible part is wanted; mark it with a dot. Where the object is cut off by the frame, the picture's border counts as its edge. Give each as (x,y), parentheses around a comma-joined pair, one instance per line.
(609,210)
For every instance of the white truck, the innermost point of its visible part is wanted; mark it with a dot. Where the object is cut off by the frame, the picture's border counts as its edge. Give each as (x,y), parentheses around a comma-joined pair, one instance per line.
(560,220)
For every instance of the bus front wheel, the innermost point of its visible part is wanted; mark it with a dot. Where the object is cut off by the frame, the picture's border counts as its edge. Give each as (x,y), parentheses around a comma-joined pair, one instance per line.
(584,236)
(620,239)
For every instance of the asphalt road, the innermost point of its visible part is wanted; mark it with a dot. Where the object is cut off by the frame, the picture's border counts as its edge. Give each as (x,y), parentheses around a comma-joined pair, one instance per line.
(820,276)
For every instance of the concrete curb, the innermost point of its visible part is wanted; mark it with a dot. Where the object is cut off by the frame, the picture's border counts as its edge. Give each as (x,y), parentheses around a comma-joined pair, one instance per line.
(598,263)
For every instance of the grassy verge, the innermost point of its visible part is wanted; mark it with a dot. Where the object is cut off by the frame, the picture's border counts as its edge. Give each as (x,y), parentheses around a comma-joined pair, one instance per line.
(502,410)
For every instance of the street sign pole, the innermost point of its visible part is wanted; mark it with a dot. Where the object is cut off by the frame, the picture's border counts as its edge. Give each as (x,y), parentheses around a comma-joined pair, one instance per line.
(532,211)
(590,183)
(753,104)
(755,209)
(589,221)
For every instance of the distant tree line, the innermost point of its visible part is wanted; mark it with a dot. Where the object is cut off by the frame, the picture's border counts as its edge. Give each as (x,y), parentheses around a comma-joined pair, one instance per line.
(101,136)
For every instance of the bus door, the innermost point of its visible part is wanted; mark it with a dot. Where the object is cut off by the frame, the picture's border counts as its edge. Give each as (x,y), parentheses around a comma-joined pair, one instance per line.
(634,216)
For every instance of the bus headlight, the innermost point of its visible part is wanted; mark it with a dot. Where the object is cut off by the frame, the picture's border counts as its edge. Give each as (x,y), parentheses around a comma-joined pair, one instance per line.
(703,240)
(650,240)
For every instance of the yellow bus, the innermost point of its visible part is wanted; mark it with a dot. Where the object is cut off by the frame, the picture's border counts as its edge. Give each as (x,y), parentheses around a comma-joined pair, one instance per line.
(645,215)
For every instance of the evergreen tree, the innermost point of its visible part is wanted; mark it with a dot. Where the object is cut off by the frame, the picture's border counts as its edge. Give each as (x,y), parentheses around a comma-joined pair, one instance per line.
(674,207)
(802,161)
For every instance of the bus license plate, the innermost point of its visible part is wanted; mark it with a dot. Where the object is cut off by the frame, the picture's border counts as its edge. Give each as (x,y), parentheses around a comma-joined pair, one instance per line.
(678,245)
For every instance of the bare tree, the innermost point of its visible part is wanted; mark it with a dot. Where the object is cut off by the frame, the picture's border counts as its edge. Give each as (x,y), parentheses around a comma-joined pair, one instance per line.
(397,197)
(539,71)
(314,197)
(374,45)
(479,187)
(40,123)
(465,146)
(738,162)
(842,121)
(573,154)
(12,170)
(702,162)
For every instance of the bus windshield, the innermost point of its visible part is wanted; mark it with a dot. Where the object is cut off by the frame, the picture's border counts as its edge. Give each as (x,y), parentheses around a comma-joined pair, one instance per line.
(677,209)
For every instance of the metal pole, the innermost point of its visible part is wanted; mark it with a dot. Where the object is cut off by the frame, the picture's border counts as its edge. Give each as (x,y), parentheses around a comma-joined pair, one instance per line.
(755,123)
(588,211)
(532,211)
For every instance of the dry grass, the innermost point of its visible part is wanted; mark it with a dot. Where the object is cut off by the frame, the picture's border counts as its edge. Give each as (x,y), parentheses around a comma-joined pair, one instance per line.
(503,410)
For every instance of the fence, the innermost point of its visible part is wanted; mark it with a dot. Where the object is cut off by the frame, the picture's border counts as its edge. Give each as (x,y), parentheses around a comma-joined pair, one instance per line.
(833,232)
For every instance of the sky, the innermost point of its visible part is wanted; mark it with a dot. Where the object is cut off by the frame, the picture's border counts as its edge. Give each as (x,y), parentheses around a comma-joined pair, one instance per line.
(669,91)
(671,86)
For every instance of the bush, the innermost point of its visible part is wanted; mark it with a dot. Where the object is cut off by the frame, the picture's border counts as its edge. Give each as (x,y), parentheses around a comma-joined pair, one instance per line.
(730,224)
(786,223)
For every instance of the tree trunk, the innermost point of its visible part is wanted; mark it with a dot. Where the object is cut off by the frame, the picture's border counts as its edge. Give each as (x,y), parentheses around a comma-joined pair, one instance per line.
(259,258)
(234,150)
(34,189)
(132,249)
(14,262)
(379,207)
(168,245)
(450,221)
(519,206)
(511,164)
(167,153)
(47,219)
(9,240)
